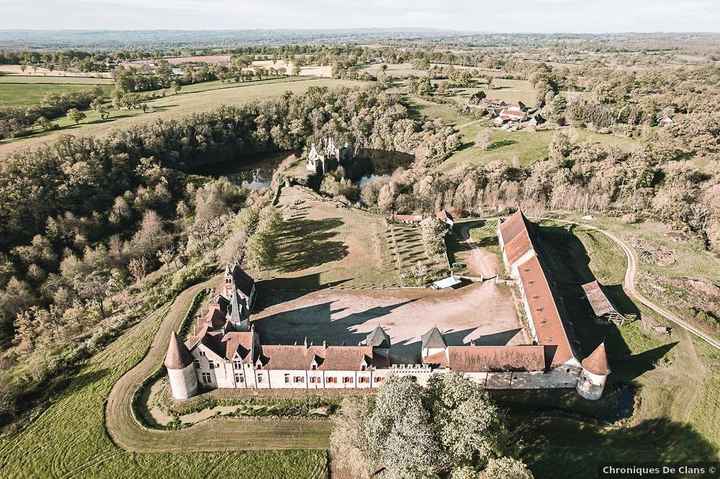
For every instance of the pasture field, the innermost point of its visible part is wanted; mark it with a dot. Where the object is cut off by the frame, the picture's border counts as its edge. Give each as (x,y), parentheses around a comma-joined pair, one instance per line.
(675,409)
(175,106)
(510,91)
(70,439)
(520,148)
(45,72)
(55,80)
(394,70)
(32,93)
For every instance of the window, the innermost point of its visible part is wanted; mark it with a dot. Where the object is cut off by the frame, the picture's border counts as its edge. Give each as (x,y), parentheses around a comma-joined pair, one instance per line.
(259,378)
(237,365)
(364,380)
(347,379)
(313,367)
(331,379)
(314,380)
(196,362)
(378,379)
(299,379)
(207,379)
(287,378)
(211,365)
(363,367)
(202,353)
(239,378)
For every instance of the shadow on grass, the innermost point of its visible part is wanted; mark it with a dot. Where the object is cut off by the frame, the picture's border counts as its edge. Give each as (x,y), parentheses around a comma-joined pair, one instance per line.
(304,243)
(566,448)
(496,145)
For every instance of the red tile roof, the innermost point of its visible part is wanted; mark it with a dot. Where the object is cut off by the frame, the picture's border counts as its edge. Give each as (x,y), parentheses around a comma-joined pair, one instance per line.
(496,358)
(330,358)
(516,237)
(241,343)
(544,314)
(597,362)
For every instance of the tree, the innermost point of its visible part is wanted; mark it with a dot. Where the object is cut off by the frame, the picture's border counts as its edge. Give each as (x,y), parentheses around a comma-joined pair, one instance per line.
(483,140)
(99,106)
(176,86)
(44,124)
(506,468)
(76,115)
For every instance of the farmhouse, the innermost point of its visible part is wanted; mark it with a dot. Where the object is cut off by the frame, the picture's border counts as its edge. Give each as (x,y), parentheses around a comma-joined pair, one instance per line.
(226,351)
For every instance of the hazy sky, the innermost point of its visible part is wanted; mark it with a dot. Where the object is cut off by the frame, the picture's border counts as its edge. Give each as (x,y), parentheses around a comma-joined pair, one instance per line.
(476,15)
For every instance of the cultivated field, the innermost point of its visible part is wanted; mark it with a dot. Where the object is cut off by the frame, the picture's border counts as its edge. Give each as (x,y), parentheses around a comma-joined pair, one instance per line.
(405,242)
(175,106)
(45,72)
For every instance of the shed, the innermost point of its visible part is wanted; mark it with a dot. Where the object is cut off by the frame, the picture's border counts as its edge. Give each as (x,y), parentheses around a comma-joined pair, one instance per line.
(600,304)
(446,283)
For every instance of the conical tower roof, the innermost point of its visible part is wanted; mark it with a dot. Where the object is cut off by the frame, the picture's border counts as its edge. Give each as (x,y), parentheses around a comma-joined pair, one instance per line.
(178,356)
(597,362)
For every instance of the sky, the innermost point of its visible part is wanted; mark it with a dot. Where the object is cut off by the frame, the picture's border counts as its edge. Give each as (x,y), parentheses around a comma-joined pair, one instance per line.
(507,16)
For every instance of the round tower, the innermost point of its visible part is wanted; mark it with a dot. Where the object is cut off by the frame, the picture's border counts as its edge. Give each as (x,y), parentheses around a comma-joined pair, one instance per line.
(595,370)
(180,368)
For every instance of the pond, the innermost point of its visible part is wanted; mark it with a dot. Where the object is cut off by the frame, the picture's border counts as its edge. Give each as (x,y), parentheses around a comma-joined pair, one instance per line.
(253,172)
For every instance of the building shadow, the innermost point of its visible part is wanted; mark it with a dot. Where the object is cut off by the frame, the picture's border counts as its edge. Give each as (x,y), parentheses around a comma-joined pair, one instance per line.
(561,447)
(280,290)
(316,323)
(566,262)
(305,243)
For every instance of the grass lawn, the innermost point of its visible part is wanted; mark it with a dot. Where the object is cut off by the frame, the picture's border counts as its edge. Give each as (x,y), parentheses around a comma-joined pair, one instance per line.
(175,106)
(446,112)
(511,91)
(69,439)
(32,93)
(675,412)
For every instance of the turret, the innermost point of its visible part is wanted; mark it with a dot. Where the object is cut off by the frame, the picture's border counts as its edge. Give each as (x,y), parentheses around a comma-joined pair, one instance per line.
(380,341)
(595,371)
(433,342)
(181,370)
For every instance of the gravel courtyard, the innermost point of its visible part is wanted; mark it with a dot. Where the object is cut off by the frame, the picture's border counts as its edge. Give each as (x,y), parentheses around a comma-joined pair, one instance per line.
(483,313)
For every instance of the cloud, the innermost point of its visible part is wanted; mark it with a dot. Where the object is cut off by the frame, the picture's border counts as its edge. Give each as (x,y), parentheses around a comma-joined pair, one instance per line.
(476,15)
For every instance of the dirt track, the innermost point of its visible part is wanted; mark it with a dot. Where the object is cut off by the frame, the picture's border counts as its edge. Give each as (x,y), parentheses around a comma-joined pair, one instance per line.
(216,435)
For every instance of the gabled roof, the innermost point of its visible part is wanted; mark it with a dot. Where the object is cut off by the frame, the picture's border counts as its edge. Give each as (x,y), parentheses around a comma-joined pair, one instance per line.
(496,358)
(215,317)
(544,313)
(329,358)
(597,362)
(433,339)
(516,236)
(178,356)
(240,343)
(378,338)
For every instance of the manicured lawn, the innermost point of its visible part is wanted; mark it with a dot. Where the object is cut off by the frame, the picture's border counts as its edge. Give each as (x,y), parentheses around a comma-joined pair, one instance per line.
(29,94)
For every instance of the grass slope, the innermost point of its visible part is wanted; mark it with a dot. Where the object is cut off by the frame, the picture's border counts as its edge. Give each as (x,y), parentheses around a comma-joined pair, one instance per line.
(69,439)
(175,106)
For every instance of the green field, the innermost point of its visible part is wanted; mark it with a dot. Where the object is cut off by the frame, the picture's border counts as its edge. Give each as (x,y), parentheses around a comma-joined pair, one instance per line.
(174,106)
(29,94)
(62,80)
(70,439)
(521,148)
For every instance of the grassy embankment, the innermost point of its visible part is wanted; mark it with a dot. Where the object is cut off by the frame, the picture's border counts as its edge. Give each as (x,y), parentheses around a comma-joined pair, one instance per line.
(70,437)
